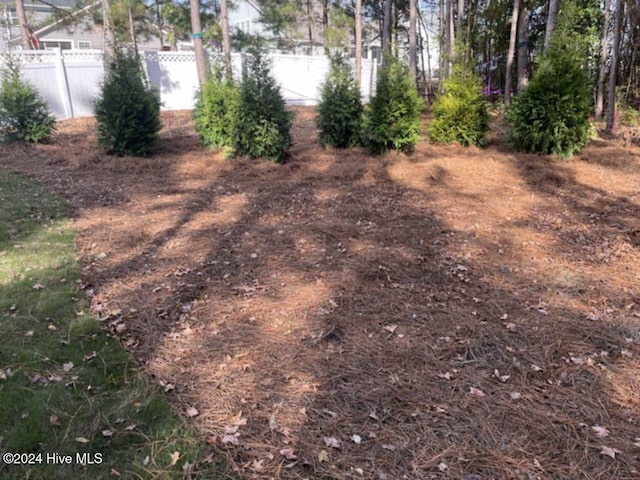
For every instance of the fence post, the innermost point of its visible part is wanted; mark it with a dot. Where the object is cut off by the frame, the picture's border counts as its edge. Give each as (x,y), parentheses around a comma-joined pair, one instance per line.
(65,92)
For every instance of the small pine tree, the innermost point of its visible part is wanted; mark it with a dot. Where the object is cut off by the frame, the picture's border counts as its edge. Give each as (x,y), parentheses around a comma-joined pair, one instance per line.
(260,122)
(392,119)
(24,115)
(551,114)
(340,108)
(213,110)
(127,110)
(460,115)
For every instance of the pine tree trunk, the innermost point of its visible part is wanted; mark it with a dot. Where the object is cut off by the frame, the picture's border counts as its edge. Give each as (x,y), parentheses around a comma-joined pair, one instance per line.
(551,22)
(24,27)
(386,28)
(413,38)
(449,38)
(358,72)
(459,17)
(615,53)
(602,69)
(226,41)
(132,33)
(442,42)
(310,27)
(325,24)
(511,53)
(109,38)
(523,46)
(196,27)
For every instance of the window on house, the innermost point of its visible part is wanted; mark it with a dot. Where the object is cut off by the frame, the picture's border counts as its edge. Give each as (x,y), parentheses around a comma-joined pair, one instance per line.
(12,17)
(84,45)
(55,44)
(244,26)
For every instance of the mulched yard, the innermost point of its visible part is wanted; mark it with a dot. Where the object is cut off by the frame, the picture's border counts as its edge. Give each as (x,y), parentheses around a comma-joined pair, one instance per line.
(456,314)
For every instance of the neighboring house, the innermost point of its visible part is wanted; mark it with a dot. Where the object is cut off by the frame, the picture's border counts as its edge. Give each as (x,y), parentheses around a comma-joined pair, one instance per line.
(37,14)
(75,31)
(78,29)
(308,39)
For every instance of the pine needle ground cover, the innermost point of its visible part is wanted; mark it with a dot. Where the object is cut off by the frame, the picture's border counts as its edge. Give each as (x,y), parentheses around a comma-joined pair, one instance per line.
(454,313)
(73,404)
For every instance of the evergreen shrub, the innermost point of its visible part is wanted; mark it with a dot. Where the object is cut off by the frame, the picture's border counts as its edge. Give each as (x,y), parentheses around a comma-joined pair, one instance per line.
(551,114)
(213,111)
(24,115)
(392,119)
(260,122)
(127,110)
(340,108)
(460,115)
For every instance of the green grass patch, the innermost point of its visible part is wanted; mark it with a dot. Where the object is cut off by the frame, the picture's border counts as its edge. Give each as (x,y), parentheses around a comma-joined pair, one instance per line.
(68,390)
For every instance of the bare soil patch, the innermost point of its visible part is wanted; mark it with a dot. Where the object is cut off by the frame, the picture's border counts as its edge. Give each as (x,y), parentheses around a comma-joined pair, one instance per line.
(452,314)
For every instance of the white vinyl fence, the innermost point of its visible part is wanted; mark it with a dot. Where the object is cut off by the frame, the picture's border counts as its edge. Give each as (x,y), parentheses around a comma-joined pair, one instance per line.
(69,80)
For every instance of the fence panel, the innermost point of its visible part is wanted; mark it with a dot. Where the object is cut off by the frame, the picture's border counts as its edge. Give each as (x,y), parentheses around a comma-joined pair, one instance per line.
(176,76)
(84,72)
(70,80)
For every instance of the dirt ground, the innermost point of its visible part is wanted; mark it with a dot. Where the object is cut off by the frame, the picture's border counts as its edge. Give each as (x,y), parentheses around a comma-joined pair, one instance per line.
(456,314)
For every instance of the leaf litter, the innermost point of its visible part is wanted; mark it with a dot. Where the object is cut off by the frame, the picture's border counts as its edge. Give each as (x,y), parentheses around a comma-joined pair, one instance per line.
(437,245)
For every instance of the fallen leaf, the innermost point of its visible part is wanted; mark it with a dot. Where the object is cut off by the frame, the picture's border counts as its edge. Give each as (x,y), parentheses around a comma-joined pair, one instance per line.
(28,333)
(446,376)
(232,439)
(37,286)
(89,356)
(502,378)
(323,456)
(257,465)
(288,453)
(601,432)
(231,429)
(511,326)
(238,419)
(610,452)
(272,423)
(175,456)
(536,368)
(332,442)
(390,328)
(443,467)
(54,420)
(114,472)
(146,460)
(130,427)
(476,392)
(386,446)
(107,433)
(82,440)
(357,439)
(192,412)
(67,366)
(515,395)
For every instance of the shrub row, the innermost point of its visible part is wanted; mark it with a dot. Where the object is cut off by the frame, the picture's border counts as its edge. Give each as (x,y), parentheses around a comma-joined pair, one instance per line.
(550,115)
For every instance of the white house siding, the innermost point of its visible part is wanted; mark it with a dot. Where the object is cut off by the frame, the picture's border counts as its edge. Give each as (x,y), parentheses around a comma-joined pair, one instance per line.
(88,31)
(245,16)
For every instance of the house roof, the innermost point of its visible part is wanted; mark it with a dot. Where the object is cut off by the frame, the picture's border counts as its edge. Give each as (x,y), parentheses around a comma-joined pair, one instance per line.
(29,4)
